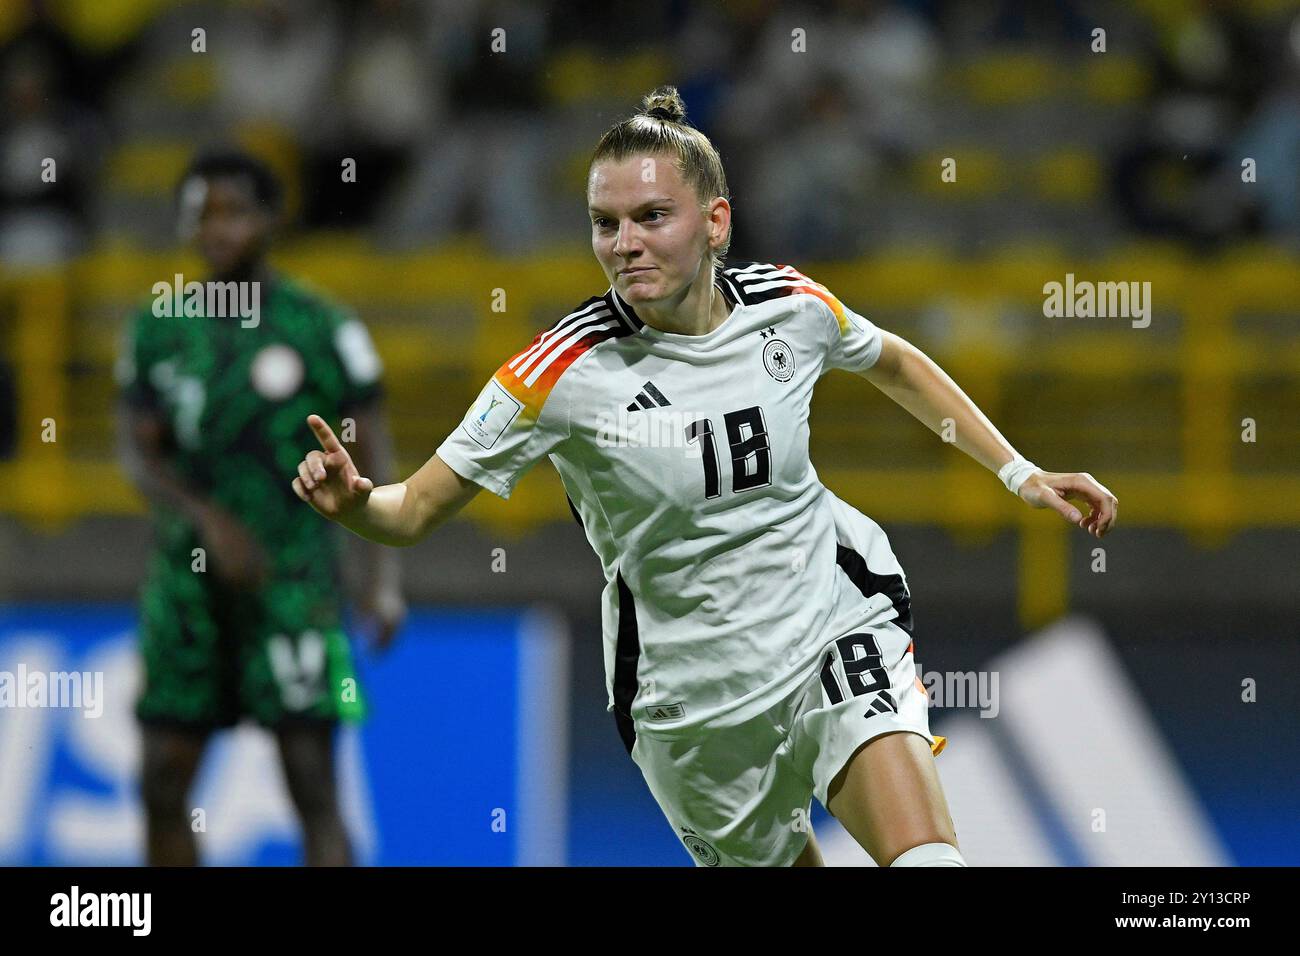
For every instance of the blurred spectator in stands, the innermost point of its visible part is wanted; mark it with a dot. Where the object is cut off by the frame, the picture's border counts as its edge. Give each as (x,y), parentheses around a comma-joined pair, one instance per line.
(85,68)
(705,51)
(275,61)
(389,97)
(886,56)
(810,187)
(844,84)
(490,148)
(782,54)
(1179,143)
(48,154)
(1271,138)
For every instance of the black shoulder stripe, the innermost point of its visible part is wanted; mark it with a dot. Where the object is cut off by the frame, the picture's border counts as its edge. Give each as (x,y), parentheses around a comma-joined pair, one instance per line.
(730,289)
(762,281)
(583,312)
(630,322)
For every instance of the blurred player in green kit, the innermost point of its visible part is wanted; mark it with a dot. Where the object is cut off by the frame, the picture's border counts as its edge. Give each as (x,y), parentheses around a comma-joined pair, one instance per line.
(240,613)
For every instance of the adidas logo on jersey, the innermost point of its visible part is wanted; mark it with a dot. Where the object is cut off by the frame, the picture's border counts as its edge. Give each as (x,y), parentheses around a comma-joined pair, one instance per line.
(666,711)
(648,397)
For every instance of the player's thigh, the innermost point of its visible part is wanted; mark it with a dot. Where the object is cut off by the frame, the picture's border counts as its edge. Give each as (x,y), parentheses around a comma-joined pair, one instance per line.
(170,760)
(864,708)
(889,797)
(188,658)
(811,855)
(731,795)
(306,750)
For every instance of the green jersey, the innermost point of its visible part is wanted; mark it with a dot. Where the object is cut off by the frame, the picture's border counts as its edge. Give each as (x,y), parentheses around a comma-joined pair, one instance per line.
(237,399)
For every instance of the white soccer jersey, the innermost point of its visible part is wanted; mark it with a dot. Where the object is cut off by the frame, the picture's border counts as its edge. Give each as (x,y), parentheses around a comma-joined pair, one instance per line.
(728,564)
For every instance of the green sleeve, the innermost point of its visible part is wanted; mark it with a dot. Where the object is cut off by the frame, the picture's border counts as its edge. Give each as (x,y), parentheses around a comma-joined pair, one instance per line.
(355,352)
(137,353)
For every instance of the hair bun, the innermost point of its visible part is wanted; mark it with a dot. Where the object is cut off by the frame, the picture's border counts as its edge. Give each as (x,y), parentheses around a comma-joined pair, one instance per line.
(665,103)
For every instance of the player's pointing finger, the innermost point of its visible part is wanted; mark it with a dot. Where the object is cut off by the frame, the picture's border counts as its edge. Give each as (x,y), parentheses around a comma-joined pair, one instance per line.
(324,434)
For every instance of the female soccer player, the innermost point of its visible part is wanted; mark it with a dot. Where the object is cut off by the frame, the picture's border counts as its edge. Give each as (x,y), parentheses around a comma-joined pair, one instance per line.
(757,630)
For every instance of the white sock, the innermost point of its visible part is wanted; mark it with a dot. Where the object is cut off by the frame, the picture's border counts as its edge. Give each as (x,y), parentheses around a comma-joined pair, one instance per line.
(931,854)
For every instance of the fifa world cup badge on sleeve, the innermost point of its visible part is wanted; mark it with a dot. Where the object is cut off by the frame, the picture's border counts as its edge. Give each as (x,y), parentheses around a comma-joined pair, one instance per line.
(487,419)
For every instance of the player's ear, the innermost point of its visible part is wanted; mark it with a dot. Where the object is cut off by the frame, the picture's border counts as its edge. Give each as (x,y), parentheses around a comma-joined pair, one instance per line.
(718,216)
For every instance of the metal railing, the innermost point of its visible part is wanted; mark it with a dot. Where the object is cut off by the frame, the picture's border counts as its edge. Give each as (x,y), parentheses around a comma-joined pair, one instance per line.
(1155,413)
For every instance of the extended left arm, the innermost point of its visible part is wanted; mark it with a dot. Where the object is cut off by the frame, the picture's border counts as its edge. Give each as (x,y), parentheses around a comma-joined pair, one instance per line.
(914,381)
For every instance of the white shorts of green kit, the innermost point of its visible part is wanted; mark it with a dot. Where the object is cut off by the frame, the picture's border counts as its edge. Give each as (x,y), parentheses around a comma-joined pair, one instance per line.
(742,795)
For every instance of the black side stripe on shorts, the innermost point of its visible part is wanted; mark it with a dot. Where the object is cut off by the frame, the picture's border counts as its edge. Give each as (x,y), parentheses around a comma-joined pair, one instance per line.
(627,654)
(576,517)
(869,583)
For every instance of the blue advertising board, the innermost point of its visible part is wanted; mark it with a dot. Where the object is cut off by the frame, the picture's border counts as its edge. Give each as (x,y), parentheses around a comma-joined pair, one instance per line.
(462,759)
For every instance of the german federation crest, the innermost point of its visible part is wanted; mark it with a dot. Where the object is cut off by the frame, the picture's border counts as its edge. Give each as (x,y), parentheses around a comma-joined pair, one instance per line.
(778,360)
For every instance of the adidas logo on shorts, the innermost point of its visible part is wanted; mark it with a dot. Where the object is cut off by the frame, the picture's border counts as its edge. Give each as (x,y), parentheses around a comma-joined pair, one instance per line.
(666,711)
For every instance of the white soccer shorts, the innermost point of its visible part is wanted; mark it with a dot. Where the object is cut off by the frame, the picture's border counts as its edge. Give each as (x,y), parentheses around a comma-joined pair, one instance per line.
(742,795)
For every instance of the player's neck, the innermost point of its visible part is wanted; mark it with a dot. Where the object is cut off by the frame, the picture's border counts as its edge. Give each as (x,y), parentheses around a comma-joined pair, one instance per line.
(697,312)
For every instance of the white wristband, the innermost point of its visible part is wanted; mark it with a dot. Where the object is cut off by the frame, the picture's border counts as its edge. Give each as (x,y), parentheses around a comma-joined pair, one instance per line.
(1014,473)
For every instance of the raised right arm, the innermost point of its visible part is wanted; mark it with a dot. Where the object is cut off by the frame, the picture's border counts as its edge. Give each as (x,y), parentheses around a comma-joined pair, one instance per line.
(405,513)
(400,514)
